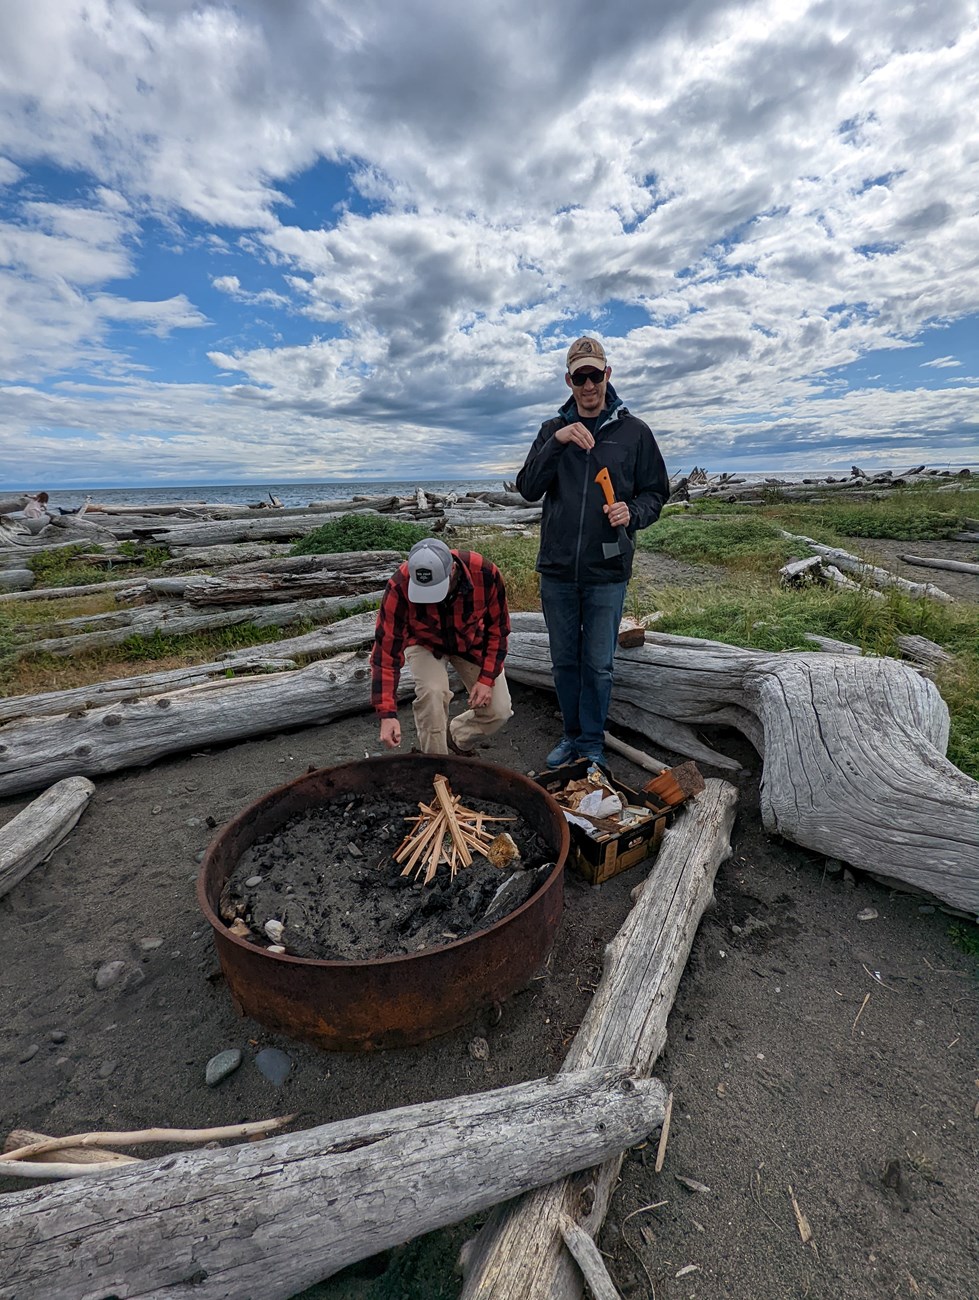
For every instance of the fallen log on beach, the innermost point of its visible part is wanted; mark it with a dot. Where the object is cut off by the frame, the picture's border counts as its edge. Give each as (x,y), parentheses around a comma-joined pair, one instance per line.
(34,752)
(520,1253)
(929,562)
(182,619)
(36,832)
(273,1217)
(353,633)
(871,573)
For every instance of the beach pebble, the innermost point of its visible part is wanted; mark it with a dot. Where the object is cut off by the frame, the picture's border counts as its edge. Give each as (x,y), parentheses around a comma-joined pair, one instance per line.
(58,1035)
(107,1068)
(151,944)
(29,1053)
(220,1066)
(252,881)
(273,1065)
(274,929)
(868,914)
(108,973)
(156,809)
(199,857)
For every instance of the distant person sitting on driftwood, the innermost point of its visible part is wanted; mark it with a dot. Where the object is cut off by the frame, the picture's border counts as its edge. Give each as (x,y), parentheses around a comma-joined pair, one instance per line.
(439,606)
(36,512)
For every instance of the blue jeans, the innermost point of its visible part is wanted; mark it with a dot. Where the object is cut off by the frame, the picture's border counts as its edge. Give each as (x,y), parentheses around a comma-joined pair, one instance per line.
(582,627)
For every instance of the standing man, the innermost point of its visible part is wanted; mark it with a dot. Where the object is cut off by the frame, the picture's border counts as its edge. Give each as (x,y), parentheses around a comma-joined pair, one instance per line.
(440,606)
(583,574)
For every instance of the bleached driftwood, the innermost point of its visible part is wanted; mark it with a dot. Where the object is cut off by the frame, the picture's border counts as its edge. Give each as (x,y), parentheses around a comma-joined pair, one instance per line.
(20,1137)
(220,557)
(922,651)
(292,580)
(353,633)
(269,527)
(853,748)
(181,619)
(36,751)
(520,1253)
(471,517)
(871,573)
(15,583)
(67,593)
(36,832)
(927,562)
(831,646)
(274,1217)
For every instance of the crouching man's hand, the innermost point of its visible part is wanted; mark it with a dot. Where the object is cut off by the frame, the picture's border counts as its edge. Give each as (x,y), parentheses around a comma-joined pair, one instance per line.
(480,696)
(391,733)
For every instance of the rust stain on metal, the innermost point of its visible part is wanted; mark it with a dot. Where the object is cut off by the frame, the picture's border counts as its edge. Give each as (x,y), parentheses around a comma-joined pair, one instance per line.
(389,1001)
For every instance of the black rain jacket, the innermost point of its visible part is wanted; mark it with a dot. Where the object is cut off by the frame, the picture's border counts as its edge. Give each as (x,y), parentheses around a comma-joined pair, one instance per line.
(574,525)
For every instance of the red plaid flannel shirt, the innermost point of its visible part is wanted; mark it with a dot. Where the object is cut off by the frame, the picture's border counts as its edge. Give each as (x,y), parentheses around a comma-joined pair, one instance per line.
(473,623)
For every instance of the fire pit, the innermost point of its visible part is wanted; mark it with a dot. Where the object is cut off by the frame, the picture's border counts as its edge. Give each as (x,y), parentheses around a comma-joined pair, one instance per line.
(399,1000)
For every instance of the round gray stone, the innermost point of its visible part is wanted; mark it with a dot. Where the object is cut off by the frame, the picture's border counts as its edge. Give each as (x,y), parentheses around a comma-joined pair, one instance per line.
(274,1065)
(29,1053)
(108,973)
(220,1066)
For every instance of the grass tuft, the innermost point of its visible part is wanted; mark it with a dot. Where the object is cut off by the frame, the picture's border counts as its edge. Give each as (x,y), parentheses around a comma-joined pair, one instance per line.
(360,533)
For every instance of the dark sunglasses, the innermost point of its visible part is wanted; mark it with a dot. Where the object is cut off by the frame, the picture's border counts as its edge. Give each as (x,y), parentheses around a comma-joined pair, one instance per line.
(582,377)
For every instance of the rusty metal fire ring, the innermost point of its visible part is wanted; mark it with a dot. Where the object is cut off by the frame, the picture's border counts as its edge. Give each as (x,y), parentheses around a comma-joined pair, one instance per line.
(388,1001)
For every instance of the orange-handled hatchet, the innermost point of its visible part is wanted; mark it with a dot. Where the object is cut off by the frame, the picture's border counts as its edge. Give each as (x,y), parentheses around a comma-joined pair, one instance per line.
(621,547)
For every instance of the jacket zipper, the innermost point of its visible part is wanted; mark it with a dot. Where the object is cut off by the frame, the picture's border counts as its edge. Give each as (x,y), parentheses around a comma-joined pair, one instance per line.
(584,495)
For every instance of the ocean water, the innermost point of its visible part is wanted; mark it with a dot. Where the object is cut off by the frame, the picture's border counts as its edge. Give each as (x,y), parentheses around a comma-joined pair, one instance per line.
(290,494)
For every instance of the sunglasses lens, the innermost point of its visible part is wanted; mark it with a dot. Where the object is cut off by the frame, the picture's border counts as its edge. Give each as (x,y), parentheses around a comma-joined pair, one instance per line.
(582,376)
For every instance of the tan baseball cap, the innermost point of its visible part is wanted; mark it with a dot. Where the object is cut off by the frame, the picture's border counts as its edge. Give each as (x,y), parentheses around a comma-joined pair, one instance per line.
(586,352)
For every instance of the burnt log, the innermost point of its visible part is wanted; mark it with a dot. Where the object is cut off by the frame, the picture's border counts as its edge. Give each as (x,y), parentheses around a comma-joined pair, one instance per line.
(274,1217)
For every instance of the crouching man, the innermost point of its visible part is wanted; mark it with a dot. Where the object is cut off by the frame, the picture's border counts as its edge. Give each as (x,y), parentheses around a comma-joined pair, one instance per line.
(440,607)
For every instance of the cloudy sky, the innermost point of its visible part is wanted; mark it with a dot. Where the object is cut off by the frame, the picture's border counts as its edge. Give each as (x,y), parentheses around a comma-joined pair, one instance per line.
(309,239)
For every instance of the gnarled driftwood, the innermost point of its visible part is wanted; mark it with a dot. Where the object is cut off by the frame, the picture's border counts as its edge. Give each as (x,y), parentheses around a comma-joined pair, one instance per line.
(272,1218)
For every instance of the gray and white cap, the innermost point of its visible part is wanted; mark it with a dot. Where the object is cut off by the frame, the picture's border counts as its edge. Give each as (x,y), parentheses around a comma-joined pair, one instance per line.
(429,572)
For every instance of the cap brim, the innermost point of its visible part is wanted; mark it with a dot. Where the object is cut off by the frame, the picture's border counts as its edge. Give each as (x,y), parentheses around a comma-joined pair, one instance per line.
(592,363)
(433,593)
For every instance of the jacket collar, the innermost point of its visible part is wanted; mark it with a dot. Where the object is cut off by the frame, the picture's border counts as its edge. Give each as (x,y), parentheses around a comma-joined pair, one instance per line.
(613,409)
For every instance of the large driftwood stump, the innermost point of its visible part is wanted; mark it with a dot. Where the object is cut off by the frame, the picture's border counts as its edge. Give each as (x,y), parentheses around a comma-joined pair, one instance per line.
(853,748)
(268,1219)
(520,1254)
(37,831)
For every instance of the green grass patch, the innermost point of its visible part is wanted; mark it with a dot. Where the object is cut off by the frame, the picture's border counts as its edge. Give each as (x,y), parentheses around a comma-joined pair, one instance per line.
(965,936)
(61,568)
(741,541)
(360,533)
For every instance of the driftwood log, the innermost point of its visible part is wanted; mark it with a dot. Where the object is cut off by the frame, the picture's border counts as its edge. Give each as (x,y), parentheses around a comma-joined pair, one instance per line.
(179,618)
(272,1218)
(853,748)
(36,832)
(927,562)
(871,573)
(267,527)
(520,1253)
(36,751)
(219,557)
(353,633)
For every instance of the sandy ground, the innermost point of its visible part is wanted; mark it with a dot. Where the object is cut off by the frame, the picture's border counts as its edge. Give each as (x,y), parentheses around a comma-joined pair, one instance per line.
(808,1049)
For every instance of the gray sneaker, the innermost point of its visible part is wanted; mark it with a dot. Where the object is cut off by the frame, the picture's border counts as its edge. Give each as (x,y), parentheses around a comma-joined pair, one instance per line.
(563,752)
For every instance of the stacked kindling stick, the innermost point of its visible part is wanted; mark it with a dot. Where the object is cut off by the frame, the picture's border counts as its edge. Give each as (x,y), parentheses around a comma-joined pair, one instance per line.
(446,833)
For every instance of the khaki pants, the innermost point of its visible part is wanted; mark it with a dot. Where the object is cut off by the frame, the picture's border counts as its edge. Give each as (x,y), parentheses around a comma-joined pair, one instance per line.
(433,696)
